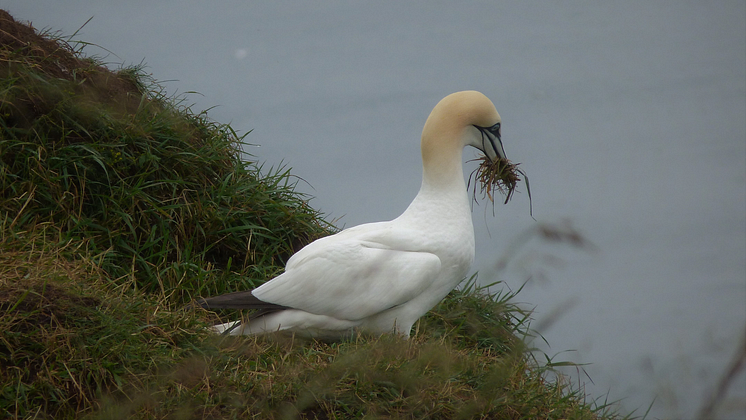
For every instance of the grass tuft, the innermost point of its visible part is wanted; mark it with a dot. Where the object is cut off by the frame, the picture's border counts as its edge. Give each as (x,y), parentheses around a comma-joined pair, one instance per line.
(160,194)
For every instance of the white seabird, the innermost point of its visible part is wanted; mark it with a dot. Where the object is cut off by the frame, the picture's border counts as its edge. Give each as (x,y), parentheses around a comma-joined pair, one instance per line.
(382,277)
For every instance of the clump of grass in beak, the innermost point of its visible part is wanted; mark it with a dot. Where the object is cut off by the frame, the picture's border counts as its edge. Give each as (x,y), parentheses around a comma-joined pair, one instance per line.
(501,175)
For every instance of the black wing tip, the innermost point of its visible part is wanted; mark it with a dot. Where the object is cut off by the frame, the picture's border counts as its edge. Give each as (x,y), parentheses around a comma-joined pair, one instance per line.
(240,300)
(234,300)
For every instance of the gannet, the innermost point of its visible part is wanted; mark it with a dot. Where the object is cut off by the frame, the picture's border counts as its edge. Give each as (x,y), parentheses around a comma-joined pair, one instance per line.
(382,277)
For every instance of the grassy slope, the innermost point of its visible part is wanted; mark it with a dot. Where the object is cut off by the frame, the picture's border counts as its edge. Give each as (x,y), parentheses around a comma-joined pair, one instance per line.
(118,206)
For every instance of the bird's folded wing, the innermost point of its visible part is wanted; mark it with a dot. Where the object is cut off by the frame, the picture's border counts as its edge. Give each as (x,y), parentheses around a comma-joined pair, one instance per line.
(351,279)
(240,300)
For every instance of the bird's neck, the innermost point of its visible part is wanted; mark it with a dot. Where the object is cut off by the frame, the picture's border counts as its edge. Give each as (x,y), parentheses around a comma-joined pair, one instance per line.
(442,193)
(441,160)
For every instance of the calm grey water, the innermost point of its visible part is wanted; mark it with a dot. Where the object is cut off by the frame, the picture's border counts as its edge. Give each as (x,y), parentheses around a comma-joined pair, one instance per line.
(628,117)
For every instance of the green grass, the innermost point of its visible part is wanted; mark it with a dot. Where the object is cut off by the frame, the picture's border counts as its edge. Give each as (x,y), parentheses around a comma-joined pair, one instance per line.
(119,205)
(74,344)
(161,195)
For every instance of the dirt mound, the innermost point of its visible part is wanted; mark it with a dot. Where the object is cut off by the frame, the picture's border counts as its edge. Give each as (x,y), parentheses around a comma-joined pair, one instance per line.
(23,49)
(33,288)
(42,304)
(55,58)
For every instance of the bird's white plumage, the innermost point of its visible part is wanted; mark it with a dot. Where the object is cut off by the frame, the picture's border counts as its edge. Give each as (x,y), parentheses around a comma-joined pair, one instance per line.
(372,273)
(381,277)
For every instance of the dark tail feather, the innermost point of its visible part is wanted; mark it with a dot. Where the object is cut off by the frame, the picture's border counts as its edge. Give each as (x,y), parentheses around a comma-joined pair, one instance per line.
(241,300)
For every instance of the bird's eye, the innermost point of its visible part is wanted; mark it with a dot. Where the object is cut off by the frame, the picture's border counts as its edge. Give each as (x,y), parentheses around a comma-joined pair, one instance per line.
(495,129)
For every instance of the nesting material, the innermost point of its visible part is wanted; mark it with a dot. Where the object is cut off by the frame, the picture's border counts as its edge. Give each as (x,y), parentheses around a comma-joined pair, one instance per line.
(501,175)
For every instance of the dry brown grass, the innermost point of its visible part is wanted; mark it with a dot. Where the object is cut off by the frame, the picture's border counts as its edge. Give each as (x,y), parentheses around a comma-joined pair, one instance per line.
(501,175)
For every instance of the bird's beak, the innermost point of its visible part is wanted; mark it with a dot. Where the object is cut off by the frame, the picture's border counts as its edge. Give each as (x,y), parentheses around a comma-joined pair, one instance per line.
(492,145)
